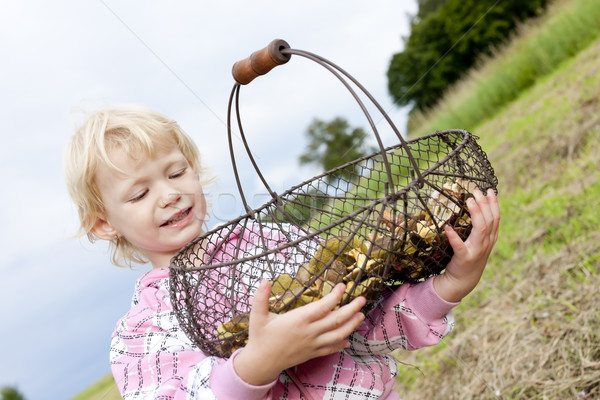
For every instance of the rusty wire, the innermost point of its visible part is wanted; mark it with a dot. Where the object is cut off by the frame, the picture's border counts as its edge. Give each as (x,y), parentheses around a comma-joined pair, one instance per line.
(372,223)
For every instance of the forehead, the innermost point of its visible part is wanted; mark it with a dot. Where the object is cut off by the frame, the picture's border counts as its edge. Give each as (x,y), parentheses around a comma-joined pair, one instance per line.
(124,165)
(135,145)
(124,151)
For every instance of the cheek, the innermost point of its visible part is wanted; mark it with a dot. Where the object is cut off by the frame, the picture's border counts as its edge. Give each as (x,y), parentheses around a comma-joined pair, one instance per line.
(201,207)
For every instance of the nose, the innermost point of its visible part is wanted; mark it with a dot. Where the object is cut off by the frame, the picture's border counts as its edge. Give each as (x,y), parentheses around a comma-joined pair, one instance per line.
(169,197)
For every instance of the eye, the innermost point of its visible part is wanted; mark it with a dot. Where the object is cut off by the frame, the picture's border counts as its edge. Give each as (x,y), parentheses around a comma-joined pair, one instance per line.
(178,173)
(138,196)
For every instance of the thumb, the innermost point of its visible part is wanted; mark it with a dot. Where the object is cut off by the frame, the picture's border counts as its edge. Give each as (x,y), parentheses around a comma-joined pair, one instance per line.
(455,241)
(260,304)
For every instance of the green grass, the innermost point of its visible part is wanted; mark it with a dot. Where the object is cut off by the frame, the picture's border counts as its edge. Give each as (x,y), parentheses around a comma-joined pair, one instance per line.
(541,47)
(530,330)
(104,389)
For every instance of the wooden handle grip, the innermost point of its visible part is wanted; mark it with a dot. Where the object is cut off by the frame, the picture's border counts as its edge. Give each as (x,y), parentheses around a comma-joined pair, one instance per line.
(260,62)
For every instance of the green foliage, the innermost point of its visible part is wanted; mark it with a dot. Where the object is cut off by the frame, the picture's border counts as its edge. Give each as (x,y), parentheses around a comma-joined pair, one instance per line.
(427,7)
(446,43)
(332,144)
(10,393)
(299,209)
(104,389)
(537,52)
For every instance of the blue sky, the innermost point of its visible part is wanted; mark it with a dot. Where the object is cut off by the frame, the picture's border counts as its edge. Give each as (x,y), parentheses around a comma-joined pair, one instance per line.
(61,296)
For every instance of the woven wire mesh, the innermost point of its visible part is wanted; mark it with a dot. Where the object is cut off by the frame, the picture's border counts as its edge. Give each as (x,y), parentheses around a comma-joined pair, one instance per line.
(373,224)
(354,228)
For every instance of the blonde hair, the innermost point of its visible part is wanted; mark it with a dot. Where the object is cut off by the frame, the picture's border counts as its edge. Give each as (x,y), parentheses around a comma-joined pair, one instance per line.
(134,129)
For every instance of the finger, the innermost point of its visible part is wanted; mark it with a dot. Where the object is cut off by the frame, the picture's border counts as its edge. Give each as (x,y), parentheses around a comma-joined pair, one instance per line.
(341,316)
(348,311)
(336,337)
(477,217)
(495,209)
(318,309)
(491,201)
(260,304)
(454,239)
(326,347)
(484,206)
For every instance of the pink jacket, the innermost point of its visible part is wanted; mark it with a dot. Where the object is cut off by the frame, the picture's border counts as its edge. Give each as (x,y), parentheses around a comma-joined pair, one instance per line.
(152,358)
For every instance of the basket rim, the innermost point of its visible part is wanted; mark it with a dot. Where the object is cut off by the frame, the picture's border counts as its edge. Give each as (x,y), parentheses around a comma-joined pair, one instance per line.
(310,234)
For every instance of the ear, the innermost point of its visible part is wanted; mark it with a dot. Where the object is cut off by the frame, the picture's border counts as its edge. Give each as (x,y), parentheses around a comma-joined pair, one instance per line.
(103,229)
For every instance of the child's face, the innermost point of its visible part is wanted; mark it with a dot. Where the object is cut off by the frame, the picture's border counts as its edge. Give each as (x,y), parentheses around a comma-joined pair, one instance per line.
(157,204)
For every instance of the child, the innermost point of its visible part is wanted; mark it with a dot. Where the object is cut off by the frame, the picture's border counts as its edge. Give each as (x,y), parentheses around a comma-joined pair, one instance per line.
(135,178)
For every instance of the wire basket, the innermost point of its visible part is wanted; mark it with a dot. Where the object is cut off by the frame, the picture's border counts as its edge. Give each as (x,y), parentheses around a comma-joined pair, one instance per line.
(372,224)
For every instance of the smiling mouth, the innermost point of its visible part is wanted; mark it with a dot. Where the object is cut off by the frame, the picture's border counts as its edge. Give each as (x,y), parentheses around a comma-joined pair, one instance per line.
(178,217)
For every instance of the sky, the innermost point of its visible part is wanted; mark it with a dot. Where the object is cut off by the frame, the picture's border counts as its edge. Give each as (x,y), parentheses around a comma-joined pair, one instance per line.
(61,297)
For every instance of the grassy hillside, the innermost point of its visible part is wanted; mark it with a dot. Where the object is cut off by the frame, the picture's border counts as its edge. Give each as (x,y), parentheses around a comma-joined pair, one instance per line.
(104,389)
(531,329)
(540,47)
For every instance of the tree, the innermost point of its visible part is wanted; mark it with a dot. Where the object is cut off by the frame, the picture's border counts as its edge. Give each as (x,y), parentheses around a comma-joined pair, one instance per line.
(447,41)
(299,209)
(10,393)
(332,144)
(427,7)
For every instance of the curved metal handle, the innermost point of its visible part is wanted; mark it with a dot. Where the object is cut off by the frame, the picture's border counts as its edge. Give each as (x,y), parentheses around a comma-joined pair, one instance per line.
(279,52)
(260,62)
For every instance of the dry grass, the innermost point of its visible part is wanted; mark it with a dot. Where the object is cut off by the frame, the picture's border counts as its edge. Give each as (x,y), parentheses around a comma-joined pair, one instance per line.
(540,340)
(531,330)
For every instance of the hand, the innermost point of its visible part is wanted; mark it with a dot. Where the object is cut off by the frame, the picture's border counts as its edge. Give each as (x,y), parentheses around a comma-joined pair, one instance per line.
(280,341)
(464,270)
